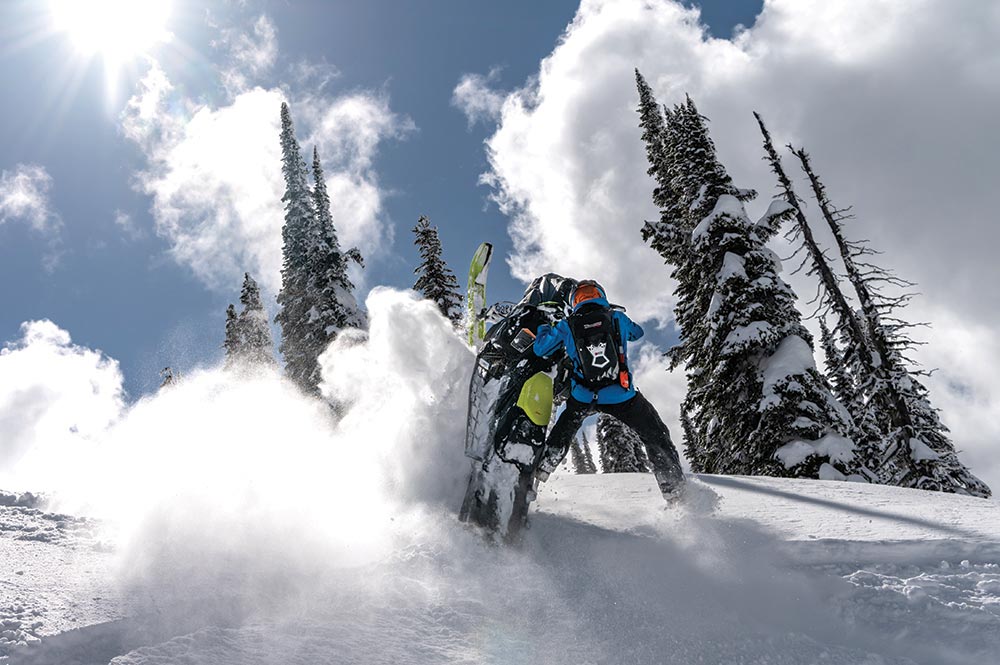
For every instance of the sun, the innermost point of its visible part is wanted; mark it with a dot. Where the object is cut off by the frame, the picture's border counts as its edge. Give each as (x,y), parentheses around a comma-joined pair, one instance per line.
(116,30)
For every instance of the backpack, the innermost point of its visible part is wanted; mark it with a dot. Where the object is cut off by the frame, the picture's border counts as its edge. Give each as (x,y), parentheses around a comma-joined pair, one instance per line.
(598,346)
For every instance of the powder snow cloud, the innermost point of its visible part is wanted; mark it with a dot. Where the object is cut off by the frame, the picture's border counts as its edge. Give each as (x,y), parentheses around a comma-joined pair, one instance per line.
(264,451)
(895,101)
(214,171)
(54,396)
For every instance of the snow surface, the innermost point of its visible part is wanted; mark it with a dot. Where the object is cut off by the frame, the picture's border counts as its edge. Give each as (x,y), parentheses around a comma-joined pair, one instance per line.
(229,520)
(751,570)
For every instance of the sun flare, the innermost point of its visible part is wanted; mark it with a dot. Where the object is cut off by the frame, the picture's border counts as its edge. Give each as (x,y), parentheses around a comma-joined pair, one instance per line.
(117,30)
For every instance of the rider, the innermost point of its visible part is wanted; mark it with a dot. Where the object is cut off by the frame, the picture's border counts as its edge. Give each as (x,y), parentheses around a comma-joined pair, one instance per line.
(595,337)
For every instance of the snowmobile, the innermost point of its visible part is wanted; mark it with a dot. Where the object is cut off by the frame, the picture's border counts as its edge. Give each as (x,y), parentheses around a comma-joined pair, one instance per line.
(510,405)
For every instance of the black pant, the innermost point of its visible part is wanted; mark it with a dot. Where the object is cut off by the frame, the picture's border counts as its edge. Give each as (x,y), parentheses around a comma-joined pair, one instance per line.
(640,416)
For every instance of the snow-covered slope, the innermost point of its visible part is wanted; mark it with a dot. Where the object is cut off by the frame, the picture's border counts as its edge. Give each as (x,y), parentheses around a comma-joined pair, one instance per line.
(818,521)
(751,570)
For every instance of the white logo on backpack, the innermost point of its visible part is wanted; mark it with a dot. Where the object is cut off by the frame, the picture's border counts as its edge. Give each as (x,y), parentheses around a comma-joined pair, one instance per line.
(599,355)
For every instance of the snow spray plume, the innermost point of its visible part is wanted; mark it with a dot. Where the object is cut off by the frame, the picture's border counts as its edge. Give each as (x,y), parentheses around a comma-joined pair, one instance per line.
(406,388)
(56,400)
(235,480)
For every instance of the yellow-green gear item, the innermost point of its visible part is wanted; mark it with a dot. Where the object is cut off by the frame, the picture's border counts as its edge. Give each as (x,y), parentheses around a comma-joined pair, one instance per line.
(475,297)
(536,398)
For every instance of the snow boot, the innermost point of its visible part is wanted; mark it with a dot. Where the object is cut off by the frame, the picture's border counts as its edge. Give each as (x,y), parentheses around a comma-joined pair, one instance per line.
(672,486)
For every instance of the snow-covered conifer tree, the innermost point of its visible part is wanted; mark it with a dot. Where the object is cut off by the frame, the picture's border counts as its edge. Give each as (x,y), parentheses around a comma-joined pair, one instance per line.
(335,305)
(583,459)
(296,300)
(316,299)
(255,335)
(756,403)
(620,448)
(837,370)
(435,280)
(248,337)
(912,448)
(654,135)
(232,343)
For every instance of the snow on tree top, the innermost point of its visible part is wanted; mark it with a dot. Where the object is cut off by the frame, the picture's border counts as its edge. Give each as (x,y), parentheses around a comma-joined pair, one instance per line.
(777,208)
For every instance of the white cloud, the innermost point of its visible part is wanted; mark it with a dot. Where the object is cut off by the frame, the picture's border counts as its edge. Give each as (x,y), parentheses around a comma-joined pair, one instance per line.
(896,102)
(964,355)
(127,225)
(54,397)
(250,55)
(215,182)
(144,119)
(477,99)
(214,172)
(24,196)
(313,75)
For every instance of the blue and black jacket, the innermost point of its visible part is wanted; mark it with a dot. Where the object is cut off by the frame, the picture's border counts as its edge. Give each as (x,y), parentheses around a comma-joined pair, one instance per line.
(550,339)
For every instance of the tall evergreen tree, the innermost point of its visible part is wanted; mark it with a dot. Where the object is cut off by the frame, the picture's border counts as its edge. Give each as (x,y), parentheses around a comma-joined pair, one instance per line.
(333,290)
(838,370)
(316,299)
(620,448)
(295,300)
(756,403)
(913,449)
(830,289)
(654,134)
(435,281)
(583,459)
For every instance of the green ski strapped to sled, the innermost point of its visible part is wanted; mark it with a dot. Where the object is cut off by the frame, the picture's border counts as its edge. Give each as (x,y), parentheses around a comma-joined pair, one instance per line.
(475,298)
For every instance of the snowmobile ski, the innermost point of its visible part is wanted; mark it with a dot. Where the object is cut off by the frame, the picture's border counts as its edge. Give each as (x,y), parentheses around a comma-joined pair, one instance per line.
(475,296)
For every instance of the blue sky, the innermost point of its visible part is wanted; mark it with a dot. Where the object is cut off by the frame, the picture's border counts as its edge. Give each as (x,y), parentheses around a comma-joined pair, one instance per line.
(118,289)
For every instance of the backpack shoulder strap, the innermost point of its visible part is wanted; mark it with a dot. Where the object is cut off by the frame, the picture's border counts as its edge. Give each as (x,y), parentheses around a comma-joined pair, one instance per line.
(623,371)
